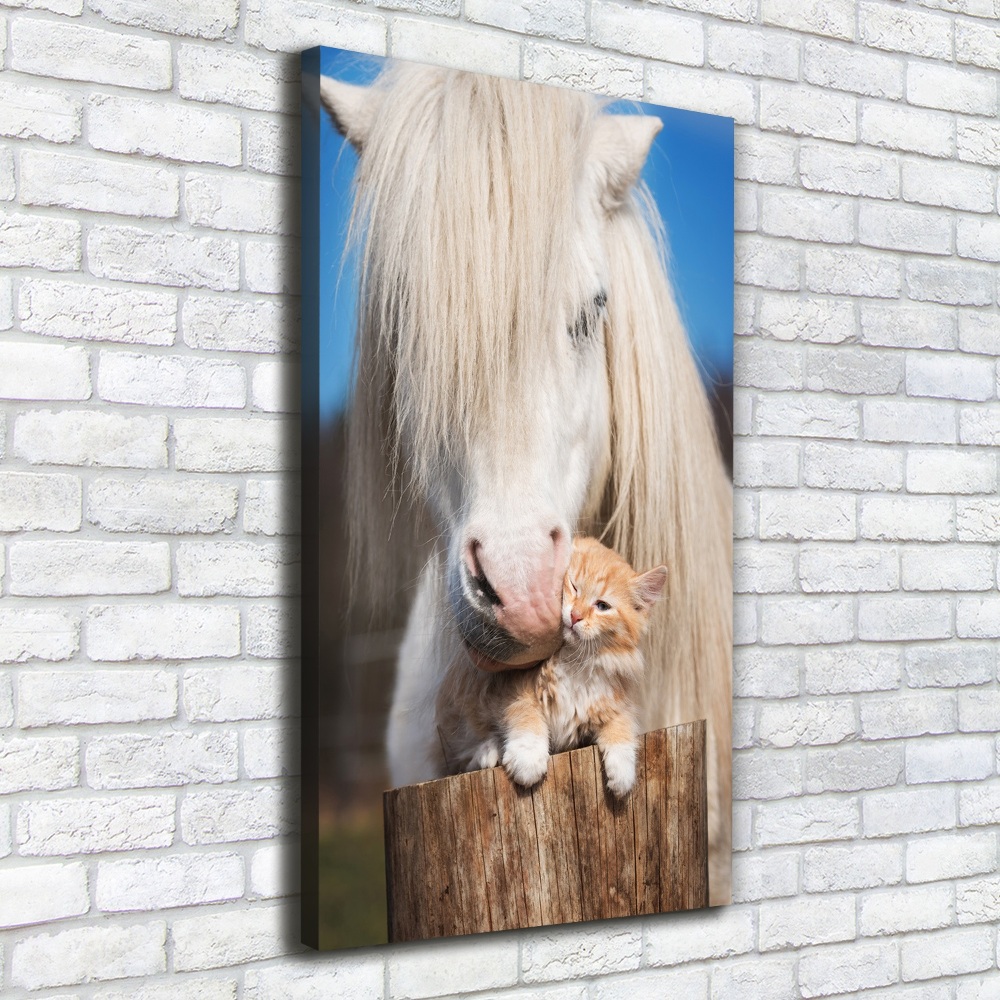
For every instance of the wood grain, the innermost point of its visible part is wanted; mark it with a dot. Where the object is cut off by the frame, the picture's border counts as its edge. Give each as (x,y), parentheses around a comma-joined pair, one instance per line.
(475,852)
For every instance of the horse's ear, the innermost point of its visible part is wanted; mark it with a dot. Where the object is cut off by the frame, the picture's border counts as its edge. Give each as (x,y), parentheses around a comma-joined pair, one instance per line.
(351,108)
(618,149)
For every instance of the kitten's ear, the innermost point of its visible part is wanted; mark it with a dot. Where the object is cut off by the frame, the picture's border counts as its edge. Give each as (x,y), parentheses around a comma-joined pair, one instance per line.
(649,586)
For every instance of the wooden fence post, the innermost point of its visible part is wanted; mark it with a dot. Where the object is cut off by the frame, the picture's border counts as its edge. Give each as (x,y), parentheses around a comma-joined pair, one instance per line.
(474,852)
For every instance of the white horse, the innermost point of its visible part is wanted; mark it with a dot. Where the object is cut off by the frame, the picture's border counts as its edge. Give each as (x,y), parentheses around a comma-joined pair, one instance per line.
(523,375)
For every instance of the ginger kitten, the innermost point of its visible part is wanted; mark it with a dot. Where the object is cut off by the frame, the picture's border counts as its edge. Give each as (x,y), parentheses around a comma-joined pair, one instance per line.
(585,693)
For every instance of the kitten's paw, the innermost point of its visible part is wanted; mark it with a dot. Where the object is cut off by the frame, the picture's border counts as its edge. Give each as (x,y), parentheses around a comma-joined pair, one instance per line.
(526,758)
(488,755)
(619,768)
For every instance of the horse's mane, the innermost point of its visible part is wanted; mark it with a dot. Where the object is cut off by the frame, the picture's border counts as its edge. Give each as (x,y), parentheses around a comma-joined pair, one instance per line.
(470,283)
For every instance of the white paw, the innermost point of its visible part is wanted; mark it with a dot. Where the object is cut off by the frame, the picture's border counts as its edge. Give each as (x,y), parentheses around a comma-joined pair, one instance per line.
(619,768)
(487,755)
(526,758)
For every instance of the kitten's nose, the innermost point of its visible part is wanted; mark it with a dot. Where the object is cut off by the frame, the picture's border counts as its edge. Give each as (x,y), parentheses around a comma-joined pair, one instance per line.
(574,618)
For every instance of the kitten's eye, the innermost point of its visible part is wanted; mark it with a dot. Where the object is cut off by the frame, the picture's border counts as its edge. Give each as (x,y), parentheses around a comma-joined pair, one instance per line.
(573,587)
(602,605)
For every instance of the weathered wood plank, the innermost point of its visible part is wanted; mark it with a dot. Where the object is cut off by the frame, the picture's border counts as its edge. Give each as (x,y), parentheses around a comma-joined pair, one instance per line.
(474,852)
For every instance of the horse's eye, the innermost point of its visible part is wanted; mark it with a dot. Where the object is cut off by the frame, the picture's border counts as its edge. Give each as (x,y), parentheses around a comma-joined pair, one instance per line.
(602,605)
(585,321)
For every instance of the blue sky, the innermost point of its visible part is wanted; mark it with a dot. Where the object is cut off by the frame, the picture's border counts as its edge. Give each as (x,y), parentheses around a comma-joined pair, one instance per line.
(689,171)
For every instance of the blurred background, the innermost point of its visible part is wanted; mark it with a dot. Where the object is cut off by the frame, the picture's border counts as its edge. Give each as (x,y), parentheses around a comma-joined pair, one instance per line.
(690,173)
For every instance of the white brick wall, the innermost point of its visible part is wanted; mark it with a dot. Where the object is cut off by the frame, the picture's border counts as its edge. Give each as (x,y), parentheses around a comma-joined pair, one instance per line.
(147,495)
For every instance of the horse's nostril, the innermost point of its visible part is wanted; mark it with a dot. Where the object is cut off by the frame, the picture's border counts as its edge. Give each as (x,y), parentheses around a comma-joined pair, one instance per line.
(480,582)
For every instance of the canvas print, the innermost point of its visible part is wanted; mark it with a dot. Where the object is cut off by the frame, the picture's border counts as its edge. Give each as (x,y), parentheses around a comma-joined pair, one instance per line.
(517,504)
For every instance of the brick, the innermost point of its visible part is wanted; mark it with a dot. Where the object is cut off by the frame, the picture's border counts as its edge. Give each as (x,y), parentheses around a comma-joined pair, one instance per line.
(816,218)
(272,632)
(267,25)
(38,894)
(546,957)
(845,569)
(176,758)
(201,18)
(978,239)
(920,423)
(181,987)
(933,86)
(845,170)
(359,977)
(96,312)
(807,819)
(734,10)
(648,32)
(695,90)
(798,922)
(977,44)
(853,768)
(897,30)
(581,70)
(709,934)
(125,253)
(242,569)
(952,666)
(853,370)
(27,111)
(72,8)
(765,875)
(93,185)
(53,827)
(908,715)
(891,519)
(767,365)
(810,723)
(848,467)
(796,621)
(766,463)
(753,51)
(900,910)
(963,568)
(71,697)
(835,18)
(847,969)
(824,321)
(244,204)
(43,371)
(947,953)
(275,386)
(977,520)
(71,52)
(893,324)
(977,710)
(768,979)
(269,872)
(226,815)
(808,416)
(978,617)
(978,902)
(39,241)
(948,185)
(893,127)
(162,505)
(980,425)
(804,515)
(851,68)
(163,882)
(978,987)
(79,437)
(950,472)
(213,444)
(218,323)
(769,159)
(763,569)
(36,633)
(950,282)
(663,982)
(153,128)
(237,78)
(274,147)
(850,271)
(31,500)
(271,752)
(916,810)
(566,21)
(171,381)
(89,954)
(38,763)
(766,775)
(978,142)
(979,804)
(978,332)
(271,267)
(66,568)
(765,673)
(271,507)
(895,619)
(860,668)
(807,111)
(169,631)
(766,263)
(457,47)
(744,620)
(907,229)
(952,758)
